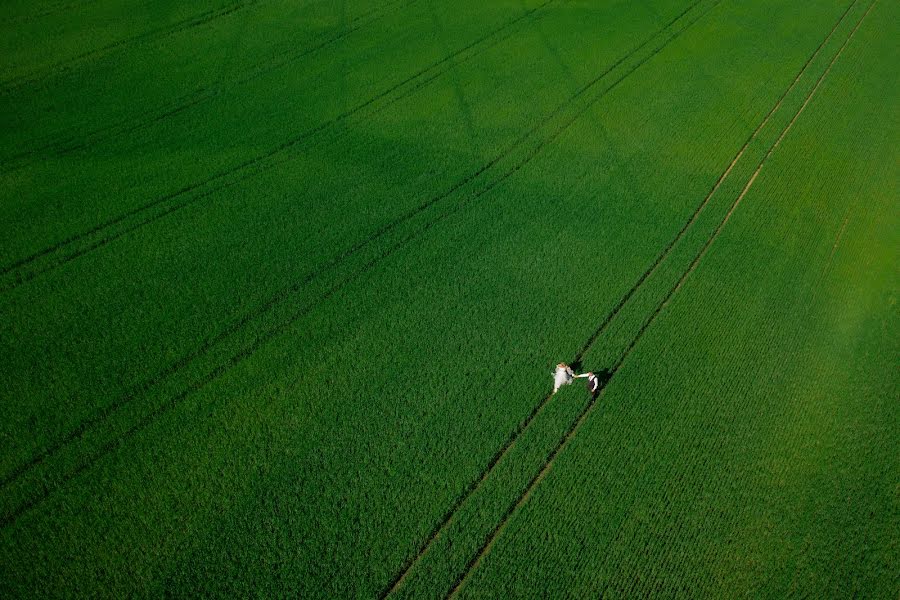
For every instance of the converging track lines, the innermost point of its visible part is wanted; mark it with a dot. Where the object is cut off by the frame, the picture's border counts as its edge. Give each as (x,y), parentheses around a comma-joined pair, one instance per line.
(276,299)
(277,329)
(573,430)
(523,426)
(696,214)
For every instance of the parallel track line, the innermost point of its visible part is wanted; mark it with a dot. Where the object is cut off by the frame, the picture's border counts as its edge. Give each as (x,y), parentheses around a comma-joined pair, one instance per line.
(281,327)
(398,581)
(573,430)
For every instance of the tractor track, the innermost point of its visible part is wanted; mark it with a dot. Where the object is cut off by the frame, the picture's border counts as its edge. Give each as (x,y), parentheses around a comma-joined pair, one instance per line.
(398,580)
(837,239)
(11,85)
(62,145)
(282,295)
(243,171)
(270,334)
(668,248)
(573,430)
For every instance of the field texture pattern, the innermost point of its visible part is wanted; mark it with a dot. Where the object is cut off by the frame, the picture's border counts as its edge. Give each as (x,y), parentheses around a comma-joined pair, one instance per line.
(282,284)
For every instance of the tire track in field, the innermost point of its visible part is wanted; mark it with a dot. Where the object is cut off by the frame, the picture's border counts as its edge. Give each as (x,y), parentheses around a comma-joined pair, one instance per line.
(242,170)
(281,327)
(19,81)
(520,429)
(573,429)
(62,145)
(281,296)
(837,239)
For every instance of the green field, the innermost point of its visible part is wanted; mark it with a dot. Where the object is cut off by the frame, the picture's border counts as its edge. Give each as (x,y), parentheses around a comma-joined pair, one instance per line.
(282,284)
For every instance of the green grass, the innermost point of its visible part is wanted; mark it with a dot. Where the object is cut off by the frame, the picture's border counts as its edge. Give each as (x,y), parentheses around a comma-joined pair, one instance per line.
(281,291)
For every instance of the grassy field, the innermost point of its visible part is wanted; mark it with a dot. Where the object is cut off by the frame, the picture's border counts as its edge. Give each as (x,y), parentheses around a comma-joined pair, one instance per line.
(282,284)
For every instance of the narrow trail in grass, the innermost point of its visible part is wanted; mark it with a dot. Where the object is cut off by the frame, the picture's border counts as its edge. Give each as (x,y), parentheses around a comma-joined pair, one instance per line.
(840,233)
(286,292)
(203,18)
(62,145)
(573,430)
(279,328)
(523,426)
(668,249)
(242,170)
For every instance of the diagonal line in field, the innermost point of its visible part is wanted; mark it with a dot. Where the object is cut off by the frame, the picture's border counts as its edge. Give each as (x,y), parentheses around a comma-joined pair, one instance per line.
(242,171)
(523,425)
(285,293)
(573,430)
(660,258)
(837,239)
(270,334)
(696,214)
(19,81)
(741,196)
(62,144)
(276,299)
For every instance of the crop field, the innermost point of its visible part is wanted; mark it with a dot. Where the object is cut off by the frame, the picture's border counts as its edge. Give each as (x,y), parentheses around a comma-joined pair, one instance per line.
(282,284)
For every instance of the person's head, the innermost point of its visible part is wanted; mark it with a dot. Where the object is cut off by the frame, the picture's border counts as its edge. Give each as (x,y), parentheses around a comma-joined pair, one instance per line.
(561,366)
